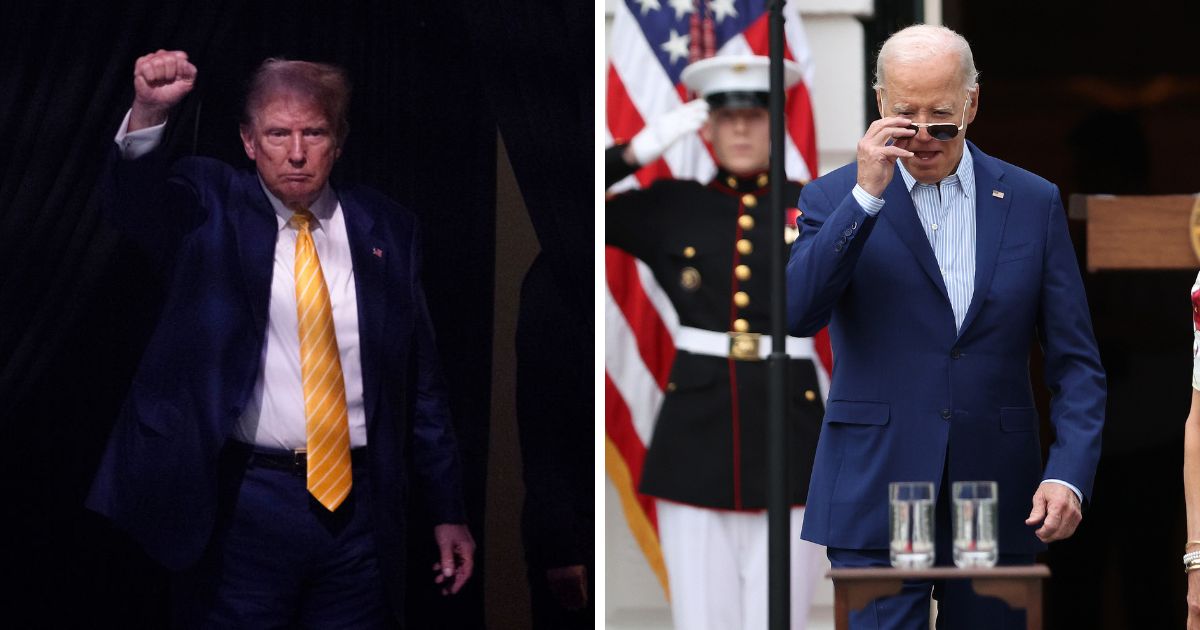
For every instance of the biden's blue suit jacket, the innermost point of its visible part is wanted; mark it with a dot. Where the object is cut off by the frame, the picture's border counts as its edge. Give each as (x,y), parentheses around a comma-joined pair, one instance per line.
(909,393)
(213,231)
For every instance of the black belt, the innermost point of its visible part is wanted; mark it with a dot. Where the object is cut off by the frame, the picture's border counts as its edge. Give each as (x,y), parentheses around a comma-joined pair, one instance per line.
(295,462)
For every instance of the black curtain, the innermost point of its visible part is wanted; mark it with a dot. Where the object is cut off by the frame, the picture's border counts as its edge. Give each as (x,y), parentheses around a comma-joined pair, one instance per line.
(538,70)
(432,83)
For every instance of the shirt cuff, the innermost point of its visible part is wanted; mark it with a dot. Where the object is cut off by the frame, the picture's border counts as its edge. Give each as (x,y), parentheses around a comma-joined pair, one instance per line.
(1078,494)
(135,144)
(870,203)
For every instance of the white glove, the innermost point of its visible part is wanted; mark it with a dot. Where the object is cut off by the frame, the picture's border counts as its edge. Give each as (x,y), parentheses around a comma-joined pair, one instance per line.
(654,139)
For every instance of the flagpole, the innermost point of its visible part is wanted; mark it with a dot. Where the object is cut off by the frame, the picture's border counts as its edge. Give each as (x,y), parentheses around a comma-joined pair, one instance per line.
(778,508)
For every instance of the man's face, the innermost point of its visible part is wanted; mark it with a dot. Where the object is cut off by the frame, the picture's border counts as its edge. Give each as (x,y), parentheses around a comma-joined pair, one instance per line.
(293,147)
(929,92)
(740,138)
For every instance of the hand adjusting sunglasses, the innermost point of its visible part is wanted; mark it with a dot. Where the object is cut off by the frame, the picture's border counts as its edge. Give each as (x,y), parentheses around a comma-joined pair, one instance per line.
(942,131)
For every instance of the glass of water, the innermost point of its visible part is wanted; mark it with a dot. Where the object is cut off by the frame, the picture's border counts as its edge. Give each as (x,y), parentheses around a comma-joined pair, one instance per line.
(911,507)
(975,511)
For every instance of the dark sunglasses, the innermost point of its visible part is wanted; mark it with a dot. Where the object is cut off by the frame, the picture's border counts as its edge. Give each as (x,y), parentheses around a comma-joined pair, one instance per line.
(942,131)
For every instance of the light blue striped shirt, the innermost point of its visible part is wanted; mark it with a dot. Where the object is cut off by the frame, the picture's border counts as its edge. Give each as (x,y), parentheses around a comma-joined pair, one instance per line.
(947,214)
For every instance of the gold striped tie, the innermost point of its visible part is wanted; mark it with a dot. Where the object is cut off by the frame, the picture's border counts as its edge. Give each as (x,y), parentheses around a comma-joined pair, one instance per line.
(327,425)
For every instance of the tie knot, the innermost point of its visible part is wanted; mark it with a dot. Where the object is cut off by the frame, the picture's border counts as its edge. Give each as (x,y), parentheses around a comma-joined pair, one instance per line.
(302,218)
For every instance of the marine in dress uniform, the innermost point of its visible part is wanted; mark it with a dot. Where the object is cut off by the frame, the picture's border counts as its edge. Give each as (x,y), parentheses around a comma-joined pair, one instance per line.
(708,245)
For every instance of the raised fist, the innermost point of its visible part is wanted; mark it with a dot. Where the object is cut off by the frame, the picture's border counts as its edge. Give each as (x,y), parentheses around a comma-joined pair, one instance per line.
(160,80)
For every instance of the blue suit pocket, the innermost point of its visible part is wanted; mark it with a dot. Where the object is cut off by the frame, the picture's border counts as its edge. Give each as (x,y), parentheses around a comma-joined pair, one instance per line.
(858,412)
(156,418)
(1015,252)
(1015,419)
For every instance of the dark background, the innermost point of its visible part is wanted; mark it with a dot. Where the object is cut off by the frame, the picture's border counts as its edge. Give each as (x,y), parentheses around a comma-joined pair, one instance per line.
(1103,97)
(433,82)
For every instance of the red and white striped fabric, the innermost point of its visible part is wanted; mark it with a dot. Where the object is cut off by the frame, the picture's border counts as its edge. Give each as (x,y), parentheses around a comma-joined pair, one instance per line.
(649,47)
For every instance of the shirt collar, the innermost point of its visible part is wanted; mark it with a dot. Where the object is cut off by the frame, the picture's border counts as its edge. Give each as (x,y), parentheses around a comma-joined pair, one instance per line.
(322,208)
(964,174)
(729,183)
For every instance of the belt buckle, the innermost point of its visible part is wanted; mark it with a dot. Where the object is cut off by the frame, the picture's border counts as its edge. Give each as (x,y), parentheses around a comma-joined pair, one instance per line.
(300,462)
(743,346)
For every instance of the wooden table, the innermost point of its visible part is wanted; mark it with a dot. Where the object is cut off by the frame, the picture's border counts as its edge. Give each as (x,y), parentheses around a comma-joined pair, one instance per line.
(1019,587)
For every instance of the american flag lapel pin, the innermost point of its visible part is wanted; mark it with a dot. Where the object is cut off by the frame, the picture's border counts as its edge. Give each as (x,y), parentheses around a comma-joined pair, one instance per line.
(378,253)
(997,194)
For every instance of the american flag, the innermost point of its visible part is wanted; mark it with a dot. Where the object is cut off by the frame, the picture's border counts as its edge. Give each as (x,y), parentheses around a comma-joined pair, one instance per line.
(649,47)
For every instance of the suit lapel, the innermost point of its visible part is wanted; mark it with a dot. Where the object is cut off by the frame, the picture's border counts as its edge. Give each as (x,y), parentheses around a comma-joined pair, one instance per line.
(256,229)
(368,254)
(992,199)
(901,214)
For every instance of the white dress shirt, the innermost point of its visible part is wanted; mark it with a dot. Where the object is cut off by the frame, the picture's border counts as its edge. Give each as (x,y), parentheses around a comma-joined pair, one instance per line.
(274,416)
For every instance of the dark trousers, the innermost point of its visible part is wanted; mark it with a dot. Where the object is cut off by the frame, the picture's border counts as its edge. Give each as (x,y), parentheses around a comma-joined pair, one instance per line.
(279,559)
(959,608)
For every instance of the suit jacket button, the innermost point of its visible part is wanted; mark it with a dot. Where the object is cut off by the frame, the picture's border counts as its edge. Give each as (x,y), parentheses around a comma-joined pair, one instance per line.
(956,354)
(946,414)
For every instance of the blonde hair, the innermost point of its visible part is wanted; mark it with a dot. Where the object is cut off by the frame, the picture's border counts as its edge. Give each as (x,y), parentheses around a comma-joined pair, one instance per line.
(325,85)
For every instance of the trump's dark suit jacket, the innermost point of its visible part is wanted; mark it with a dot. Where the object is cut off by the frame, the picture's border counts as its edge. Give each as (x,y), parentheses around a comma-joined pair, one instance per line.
(910,394)
(213,230)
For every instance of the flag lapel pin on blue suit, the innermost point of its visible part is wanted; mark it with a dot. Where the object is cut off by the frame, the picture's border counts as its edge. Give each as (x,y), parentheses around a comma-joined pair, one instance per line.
(378,253)
(997,194)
